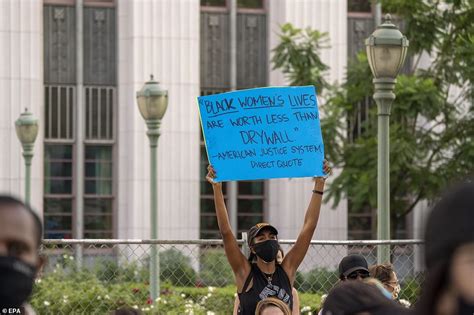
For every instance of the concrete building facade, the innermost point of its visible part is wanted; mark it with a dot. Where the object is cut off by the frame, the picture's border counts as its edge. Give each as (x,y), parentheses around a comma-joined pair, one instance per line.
(123,42)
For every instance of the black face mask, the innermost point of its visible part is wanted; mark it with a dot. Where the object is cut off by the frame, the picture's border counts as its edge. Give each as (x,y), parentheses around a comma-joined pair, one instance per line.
(16,281)
(465,307)
(267,250)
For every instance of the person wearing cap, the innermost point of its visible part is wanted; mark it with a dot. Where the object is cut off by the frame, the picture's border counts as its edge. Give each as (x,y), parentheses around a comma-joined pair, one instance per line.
(448,288)
(259,276)
(294,292)
(353,267)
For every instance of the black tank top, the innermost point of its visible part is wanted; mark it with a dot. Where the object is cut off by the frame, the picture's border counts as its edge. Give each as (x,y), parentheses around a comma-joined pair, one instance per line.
(278,287)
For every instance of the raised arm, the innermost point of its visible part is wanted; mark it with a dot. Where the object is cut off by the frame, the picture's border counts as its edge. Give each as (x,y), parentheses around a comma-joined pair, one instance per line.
(239,264)
(296,254)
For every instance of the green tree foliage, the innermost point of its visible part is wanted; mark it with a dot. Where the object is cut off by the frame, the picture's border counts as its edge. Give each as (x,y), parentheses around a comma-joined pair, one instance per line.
(295,56)
(432,122)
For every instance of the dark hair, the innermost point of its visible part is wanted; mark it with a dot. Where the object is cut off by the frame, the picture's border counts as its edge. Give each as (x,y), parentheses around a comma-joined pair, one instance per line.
(351,297)
(436,279)
(382,272)
(6,200)
(442,239)
(450,224)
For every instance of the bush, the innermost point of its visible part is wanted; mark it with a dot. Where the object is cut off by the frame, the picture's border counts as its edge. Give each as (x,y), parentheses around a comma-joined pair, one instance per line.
(82,293)
(299,281)
(109,285)
(410,289)
(110,271)
(309,303)
(217,300)
(176,269)
(318,280)
(215,269)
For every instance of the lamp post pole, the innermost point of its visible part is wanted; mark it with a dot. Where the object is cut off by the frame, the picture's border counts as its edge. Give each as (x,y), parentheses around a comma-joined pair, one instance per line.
(28,155)
(152,102)
(386,51)
(384,97)
(153,134)
(27,129)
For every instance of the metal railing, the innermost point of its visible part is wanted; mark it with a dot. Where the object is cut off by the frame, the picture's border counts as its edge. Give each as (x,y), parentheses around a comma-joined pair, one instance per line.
(194,274)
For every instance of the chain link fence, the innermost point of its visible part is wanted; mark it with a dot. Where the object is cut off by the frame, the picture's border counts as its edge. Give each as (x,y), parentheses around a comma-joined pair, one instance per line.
(99,276)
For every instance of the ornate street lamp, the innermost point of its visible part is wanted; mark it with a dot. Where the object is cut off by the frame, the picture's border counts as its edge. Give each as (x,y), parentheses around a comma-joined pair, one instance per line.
(152,102)
(386,51)
(27,129)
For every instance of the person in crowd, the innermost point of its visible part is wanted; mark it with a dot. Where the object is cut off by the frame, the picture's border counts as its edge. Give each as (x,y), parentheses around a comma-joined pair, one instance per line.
(386,274)
(259,276)
(367,297)
(296,299)
(20,238)
(448,288)
(272,306)
(353,267)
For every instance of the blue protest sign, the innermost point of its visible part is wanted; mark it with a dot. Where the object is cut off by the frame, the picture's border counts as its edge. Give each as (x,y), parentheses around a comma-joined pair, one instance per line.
(271,132)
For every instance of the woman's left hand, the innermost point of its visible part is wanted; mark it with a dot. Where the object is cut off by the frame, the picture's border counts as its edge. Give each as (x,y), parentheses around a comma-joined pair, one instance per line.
(326,169)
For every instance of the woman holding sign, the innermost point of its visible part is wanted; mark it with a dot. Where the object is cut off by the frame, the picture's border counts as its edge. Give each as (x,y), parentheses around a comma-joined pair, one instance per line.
(259,276)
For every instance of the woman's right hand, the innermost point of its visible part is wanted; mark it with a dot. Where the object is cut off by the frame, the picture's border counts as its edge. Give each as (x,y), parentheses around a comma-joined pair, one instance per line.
(211,174)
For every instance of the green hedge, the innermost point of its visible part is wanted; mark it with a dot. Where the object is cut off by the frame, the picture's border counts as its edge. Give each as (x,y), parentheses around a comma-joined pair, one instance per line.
(108,285)
(318,280)
(411,288)
(82,292)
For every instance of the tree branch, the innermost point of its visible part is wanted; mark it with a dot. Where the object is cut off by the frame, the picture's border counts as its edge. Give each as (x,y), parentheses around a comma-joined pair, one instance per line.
(413,204)
(433,126)
(415,65)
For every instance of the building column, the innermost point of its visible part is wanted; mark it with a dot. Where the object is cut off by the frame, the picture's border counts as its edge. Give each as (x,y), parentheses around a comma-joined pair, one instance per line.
(21,86)
(159,38)
(285,194)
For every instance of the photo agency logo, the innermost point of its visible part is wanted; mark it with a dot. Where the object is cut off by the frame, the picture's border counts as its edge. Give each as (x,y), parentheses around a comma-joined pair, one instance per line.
(11,310)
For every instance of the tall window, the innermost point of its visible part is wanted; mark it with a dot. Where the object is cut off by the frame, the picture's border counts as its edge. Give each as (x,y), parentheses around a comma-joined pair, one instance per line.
(250,204)
(61,109)
(98,192)
(252,70)
(359,6)
(244,4)
(58,206)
